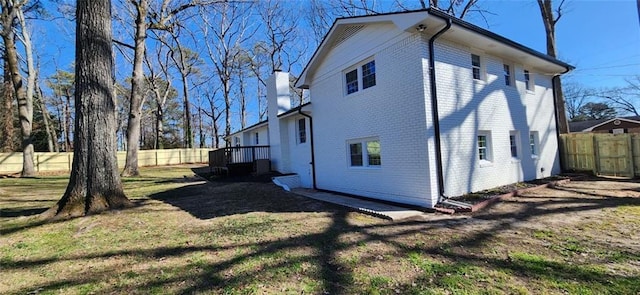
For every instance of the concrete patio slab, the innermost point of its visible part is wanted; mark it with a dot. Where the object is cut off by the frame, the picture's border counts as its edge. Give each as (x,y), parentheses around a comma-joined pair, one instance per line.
(387,211)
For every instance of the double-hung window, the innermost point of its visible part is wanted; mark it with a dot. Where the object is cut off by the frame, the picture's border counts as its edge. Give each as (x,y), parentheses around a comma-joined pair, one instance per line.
(364,153)
(507,74)
(302,131)
(528,84)
(476,67)
(484,147)
(361,76)
(352,81)
(257,138)
(513,144)
(533,143)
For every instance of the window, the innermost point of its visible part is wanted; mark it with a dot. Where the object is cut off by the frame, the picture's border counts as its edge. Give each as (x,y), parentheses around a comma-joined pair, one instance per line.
(365,70)
(352,81)
(527,81)
(373,153)
(513,144)
(355,150)
(484,148)
(475,65)
(369,74)
(302,131)
(507,74)
(236,141)
(533,143)
(368,156)
(257,138)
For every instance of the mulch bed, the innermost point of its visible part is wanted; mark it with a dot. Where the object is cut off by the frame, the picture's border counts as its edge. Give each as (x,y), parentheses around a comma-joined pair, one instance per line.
(481,199)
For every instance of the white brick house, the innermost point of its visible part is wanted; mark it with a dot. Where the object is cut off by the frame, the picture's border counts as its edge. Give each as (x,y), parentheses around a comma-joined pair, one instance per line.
(381,129)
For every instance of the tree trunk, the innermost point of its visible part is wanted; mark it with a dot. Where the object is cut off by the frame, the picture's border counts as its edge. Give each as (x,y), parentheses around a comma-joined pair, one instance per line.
(51,132)
(188,132)
(549,21)
(227,112)
(67,122)
(25,107)
(94,185)
(159,127)
(137,82)
(7,137)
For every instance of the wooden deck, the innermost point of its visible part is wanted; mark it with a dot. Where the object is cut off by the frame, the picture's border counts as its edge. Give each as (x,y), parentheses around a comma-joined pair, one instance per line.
(239,160)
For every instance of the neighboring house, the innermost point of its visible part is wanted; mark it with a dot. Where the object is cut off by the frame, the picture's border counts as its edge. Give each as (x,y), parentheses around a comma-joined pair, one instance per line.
(379,127)
(616,125)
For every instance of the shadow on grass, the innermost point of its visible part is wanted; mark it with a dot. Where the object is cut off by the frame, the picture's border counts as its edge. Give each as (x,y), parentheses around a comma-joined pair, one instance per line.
(17,212)
(450,263)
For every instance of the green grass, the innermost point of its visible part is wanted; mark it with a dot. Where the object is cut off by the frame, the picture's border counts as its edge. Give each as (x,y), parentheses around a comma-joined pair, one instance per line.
(189,236)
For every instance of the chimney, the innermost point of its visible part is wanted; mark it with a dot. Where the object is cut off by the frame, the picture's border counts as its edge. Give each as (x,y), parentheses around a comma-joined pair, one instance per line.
(278,102)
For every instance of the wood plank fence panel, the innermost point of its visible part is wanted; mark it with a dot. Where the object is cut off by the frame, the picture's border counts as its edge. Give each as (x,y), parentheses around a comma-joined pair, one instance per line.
(43,161)
(601,154)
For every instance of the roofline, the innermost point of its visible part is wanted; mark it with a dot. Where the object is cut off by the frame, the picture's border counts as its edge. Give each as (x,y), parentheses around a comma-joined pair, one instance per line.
(250,127)
(500,38)
(608,121)
(294,109)
(456,21)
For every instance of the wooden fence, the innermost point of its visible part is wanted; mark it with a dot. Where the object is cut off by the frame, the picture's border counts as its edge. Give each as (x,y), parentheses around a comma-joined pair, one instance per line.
(44,161)
(601,153)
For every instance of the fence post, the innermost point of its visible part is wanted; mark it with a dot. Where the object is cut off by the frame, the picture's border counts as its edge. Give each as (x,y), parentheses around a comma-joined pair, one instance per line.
(630,155)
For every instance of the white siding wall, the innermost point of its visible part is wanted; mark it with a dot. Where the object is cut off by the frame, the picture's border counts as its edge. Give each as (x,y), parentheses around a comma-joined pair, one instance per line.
(393,111)
(467,106)
(248,138)
(299,153)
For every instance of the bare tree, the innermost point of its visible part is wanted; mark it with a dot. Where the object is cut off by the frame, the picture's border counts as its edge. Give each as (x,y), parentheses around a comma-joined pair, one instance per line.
(626,99)
(161,16)
(160,83)
(224,38)
(62,85)
(576,97)
(12,17)
(7,137)
(94,185)
(550,17)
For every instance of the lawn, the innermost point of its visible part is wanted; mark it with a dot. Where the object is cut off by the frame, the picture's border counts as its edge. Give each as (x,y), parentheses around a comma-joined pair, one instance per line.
(188,235)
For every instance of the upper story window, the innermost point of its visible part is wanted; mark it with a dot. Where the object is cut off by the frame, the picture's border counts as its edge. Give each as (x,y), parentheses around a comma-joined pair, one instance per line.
(507,74)
(361,76)
(302,131)
(369,74)
(476,67)
(528,84)
(352,81)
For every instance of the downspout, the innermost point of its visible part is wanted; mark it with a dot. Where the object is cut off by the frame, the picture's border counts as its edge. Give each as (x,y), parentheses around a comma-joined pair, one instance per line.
(434,108)
(313,156)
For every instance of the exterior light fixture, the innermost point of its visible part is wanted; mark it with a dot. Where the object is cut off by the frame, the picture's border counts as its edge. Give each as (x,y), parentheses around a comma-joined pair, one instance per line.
(421,28)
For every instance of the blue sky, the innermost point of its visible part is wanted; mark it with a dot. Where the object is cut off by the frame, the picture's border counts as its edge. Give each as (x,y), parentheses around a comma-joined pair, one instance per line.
(600,38)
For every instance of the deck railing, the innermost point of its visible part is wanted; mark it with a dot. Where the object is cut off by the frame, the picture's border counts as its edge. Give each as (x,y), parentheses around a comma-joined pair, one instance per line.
(237,155)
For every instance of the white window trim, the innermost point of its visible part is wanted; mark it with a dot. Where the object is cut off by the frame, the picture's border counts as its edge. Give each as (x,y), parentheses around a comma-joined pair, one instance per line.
(365,156)
(358,68)
(488,162)
(297,128)
(512,80)
(517,142)
(483,67)
(536,144)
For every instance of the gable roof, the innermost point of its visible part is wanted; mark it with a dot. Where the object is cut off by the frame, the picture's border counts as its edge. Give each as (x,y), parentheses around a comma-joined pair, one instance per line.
(434,20)
(586,126)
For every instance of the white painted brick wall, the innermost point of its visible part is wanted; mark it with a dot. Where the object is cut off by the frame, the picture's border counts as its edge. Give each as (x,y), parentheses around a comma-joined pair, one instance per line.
(467,106)
(398,111)
(393,111)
